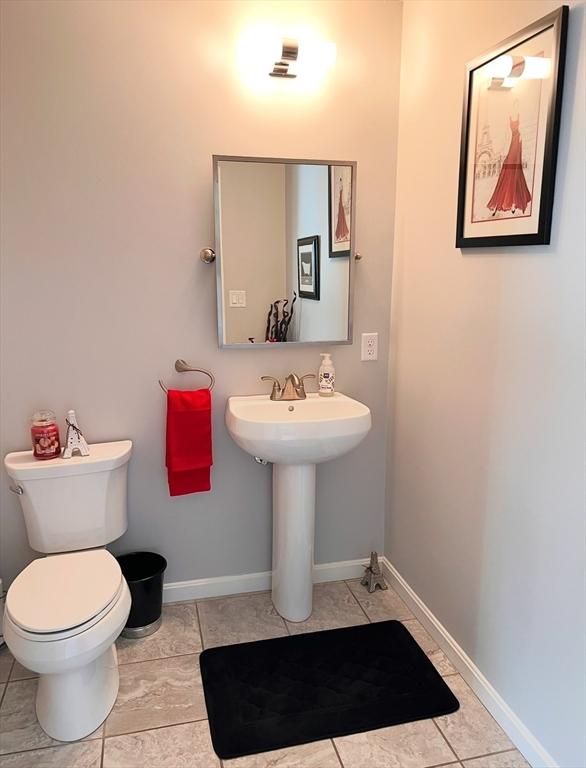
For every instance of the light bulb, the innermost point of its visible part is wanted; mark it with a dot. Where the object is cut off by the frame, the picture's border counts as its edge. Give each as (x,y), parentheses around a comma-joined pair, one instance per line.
(258,49)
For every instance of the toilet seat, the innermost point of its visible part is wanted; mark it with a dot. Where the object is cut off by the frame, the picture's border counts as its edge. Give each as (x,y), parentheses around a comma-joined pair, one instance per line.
(78,669)
(44,637)
(63,595)
(56,652)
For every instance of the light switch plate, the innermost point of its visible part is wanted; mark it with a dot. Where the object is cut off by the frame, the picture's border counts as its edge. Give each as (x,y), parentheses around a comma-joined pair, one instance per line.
(369,347)
(237,298)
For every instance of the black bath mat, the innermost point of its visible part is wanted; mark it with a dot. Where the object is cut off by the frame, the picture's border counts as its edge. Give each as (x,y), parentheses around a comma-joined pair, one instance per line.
(277,693)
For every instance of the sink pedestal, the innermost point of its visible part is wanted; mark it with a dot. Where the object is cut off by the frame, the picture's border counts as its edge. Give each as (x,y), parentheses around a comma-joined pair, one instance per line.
(293,536)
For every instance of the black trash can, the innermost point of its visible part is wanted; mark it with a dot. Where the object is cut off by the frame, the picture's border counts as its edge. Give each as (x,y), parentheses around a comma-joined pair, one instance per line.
(143,572)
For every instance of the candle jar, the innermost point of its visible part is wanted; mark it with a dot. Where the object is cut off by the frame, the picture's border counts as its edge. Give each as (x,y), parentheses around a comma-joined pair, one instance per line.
(45,435)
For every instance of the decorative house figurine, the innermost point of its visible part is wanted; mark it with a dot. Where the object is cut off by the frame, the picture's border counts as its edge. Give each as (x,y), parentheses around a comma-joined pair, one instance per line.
(74,441)
(373,575)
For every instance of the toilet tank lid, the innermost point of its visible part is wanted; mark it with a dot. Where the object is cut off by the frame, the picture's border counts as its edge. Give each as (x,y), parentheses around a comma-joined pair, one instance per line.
(22,465)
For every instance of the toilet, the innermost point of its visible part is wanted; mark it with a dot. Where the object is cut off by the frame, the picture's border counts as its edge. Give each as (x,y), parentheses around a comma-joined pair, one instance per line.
(63,612)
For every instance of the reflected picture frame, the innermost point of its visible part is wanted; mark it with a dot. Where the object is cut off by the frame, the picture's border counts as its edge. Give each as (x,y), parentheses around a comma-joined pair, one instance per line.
(340,205)
(308,267)
(509,137)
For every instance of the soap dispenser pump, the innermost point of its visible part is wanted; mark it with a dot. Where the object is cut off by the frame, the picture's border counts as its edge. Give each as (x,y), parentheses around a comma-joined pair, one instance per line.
(327,376)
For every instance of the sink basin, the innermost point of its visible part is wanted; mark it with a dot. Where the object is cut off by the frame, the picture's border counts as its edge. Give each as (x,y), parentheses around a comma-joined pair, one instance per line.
(300,431)
(294,436)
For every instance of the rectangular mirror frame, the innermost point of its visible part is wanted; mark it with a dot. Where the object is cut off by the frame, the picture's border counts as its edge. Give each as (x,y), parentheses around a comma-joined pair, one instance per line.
(218,248)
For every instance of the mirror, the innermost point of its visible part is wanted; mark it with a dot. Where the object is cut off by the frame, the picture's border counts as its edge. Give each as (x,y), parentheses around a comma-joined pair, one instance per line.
(285,250)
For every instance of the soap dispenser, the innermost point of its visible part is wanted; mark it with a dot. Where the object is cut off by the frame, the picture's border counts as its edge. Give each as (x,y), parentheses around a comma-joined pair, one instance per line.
(327,376)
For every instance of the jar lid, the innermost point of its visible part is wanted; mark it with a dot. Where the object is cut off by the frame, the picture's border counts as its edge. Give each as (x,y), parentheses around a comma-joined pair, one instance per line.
(43,418)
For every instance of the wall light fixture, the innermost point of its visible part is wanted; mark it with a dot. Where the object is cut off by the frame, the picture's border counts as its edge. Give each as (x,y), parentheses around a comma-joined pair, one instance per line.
(266,53)
(286,66)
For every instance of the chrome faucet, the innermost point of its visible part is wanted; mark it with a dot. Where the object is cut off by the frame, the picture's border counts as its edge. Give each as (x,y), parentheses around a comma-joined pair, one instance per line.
(293,389)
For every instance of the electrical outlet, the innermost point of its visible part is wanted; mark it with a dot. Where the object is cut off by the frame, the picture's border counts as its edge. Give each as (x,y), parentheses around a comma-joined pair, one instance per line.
(237,298)
(369,347)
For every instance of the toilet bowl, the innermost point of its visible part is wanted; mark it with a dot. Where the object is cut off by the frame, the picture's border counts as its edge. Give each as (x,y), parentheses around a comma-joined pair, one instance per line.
(62,616)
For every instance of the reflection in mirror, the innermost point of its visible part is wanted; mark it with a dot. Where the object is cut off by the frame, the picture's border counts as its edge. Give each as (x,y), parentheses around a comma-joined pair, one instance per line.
(284,236)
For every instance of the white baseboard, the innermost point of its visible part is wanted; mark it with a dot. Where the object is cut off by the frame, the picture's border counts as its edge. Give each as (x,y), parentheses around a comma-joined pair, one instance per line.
(516,730)
(217,586)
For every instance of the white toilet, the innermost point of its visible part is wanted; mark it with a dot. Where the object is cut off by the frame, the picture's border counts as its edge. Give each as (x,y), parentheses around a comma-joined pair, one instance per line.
(64,612)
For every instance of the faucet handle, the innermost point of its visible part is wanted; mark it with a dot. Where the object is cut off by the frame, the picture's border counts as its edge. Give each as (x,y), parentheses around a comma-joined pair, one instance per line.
(276,390)
(302,379)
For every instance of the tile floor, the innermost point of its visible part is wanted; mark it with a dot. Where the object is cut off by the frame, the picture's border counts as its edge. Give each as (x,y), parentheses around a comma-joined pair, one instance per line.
(159,719)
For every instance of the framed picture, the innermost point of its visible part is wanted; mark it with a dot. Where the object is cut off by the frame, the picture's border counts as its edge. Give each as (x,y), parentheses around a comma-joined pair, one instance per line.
(340,207)
(510,129)
(308,267)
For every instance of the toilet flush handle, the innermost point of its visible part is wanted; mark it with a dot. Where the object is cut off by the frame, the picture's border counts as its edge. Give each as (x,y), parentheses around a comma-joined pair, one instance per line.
(18,490)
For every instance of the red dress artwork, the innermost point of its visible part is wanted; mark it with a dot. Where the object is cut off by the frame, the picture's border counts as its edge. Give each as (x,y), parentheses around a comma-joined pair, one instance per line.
(342,230)
(511,192)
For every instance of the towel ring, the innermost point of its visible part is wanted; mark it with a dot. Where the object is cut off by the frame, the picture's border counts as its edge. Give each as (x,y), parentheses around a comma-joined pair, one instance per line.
(182,367)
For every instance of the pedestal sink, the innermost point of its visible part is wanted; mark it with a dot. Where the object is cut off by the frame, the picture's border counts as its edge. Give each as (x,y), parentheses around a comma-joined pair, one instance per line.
(294,436)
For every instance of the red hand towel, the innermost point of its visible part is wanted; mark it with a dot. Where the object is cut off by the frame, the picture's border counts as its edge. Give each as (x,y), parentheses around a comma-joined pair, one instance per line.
(189,441)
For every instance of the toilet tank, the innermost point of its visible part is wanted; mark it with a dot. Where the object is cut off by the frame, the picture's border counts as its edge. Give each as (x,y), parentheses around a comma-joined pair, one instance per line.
(76,503)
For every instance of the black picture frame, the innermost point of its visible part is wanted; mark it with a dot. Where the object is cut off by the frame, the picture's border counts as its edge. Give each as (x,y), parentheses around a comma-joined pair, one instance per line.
(308,267)
(336,251)
(558,22)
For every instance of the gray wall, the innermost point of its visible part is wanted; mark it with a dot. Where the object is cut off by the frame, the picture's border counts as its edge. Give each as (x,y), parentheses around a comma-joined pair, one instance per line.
(485,514)
(111,112)
(252,205)
(307,194)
